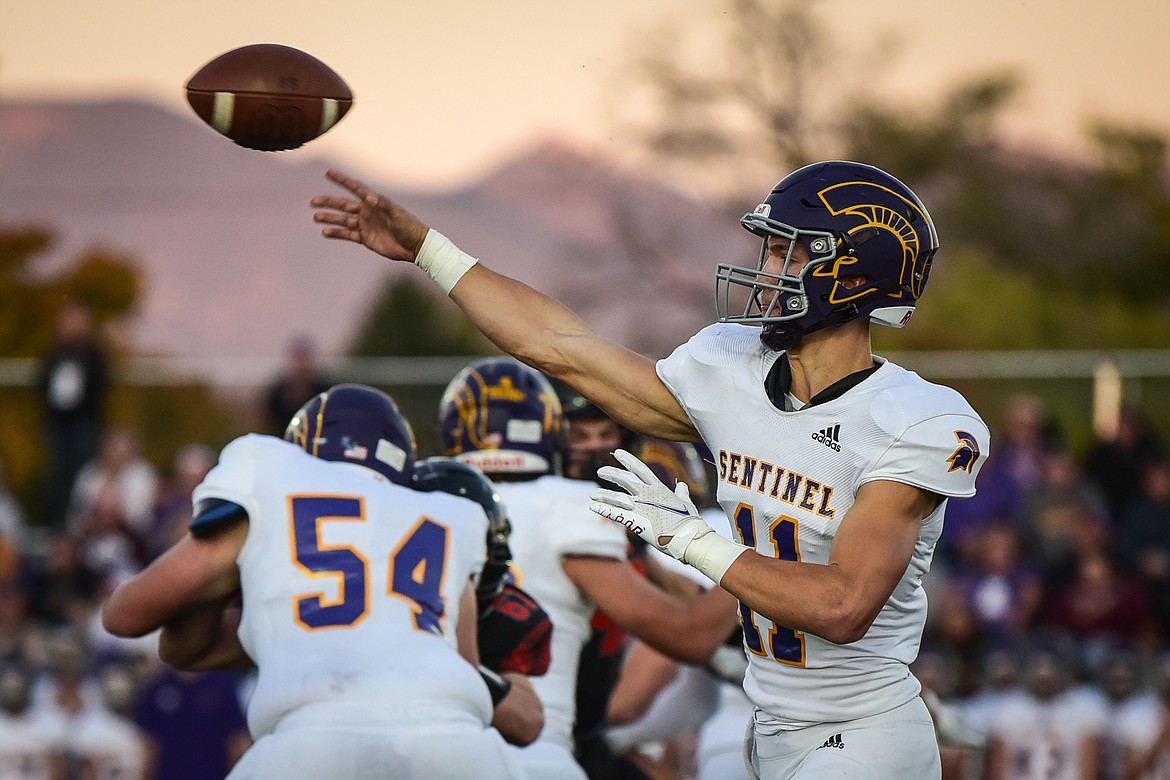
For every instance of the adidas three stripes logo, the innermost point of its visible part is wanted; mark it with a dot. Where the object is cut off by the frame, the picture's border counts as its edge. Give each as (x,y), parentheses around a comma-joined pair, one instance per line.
(830,437)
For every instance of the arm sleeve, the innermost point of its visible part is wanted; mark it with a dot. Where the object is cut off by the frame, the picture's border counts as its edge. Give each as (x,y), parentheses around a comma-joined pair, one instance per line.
(942,454)
(232,479)
(589,534)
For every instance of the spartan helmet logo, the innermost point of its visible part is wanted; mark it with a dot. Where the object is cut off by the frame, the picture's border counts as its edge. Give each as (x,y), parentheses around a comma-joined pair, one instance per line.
(863,200)
(965,455)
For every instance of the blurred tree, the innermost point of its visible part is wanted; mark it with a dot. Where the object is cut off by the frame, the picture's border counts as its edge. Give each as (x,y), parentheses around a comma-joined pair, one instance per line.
(109,283)
(757,88)
(773,90)
(972,304)
(409,319)
(412,319)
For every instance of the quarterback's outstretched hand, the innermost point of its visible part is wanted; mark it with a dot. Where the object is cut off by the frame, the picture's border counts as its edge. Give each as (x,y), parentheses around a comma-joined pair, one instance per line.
(369,219)
(665,518)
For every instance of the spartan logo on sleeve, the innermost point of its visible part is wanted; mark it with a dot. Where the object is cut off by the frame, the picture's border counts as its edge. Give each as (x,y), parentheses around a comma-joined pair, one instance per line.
(965,455)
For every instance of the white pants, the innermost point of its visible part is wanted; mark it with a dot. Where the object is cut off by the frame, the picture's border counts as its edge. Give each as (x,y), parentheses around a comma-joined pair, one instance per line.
(456,748)
(895,745)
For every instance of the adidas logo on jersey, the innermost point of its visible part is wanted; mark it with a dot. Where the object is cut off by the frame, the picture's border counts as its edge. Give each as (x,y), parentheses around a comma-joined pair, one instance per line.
(834,741)
(830,437)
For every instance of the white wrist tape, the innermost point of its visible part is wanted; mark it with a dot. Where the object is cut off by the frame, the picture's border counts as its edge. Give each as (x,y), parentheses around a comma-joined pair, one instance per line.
(713,555)
(442,260)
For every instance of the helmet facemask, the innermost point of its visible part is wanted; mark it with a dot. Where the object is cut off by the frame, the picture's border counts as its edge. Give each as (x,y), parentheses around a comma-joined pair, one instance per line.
(782,303)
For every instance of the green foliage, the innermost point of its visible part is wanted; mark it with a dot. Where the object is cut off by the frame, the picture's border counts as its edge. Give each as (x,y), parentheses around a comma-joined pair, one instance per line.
(972,303)
(106,281)
(1100,229)
(410,319)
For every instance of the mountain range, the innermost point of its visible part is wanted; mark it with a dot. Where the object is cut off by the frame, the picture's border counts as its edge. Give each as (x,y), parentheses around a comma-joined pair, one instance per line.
(233,264)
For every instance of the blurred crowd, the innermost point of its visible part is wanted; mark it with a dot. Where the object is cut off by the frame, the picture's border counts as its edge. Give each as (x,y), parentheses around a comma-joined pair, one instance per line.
(1043,657)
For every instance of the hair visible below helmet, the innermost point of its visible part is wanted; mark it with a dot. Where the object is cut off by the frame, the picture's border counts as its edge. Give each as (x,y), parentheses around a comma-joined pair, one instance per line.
(459,479)
(504,418)
(853,220)
(674,462)
(356,424)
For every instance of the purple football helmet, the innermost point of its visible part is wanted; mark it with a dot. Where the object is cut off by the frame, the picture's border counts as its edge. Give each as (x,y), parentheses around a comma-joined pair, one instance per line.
(856,222)
(356,424)
(504,418)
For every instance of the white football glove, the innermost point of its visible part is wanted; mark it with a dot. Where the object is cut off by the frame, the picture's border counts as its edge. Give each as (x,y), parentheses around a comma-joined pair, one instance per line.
(665,518)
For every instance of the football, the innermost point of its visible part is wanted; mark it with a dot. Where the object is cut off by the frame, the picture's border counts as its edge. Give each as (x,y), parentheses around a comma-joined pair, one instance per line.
(269,97)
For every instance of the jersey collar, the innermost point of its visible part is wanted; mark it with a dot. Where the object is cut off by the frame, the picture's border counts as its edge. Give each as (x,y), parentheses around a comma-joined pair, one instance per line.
(778,383)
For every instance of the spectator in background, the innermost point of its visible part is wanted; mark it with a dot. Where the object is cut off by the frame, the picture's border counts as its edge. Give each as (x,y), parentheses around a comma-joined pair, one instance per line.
(107,744)
(1116,465)
(194,721)
(172,506)
(23,640)
(121,468)
(1000,687)
(110,551)
(954,629)
(300,380)
(1144,537)
(31,746)
(1100,608)
(65,690)
(1049,732)
(12,531)
(72,380)
(1063,515)
(1002,591)
(1134,713)
(60,590)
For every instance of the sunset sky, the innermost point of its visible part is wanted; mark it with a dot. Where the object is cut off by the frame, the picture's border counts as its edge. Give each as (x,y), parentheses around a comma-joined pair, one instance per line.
(445,88)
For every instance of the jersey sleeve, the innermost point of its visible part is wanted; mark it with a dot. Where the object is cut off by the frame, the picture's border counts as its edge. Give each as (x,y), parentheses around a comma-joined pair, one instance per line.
(675,369)
(593,535)
(942,454)
(695,372)
(233,477)
(578,531)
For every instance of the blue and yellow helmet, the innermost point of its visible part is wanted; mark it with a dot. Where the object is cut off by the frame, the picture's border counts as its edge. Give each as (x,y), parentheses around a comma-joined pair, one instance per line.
(504,418)
(356,424)
(870,243)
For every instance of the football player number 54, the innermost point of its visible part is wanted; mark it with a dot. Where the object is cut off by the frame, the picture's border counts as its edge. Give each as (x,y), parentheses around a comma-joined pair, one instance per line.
(783,644)
(416,566)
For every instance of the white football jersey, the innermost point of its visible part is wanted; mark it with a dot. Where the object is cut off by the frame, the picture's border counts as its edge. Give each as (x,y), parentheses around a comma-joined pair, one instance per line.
(351,584)
(28,744)
(1043,739)
(1134,726)
(550,520)
(786,479)
(112,746)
